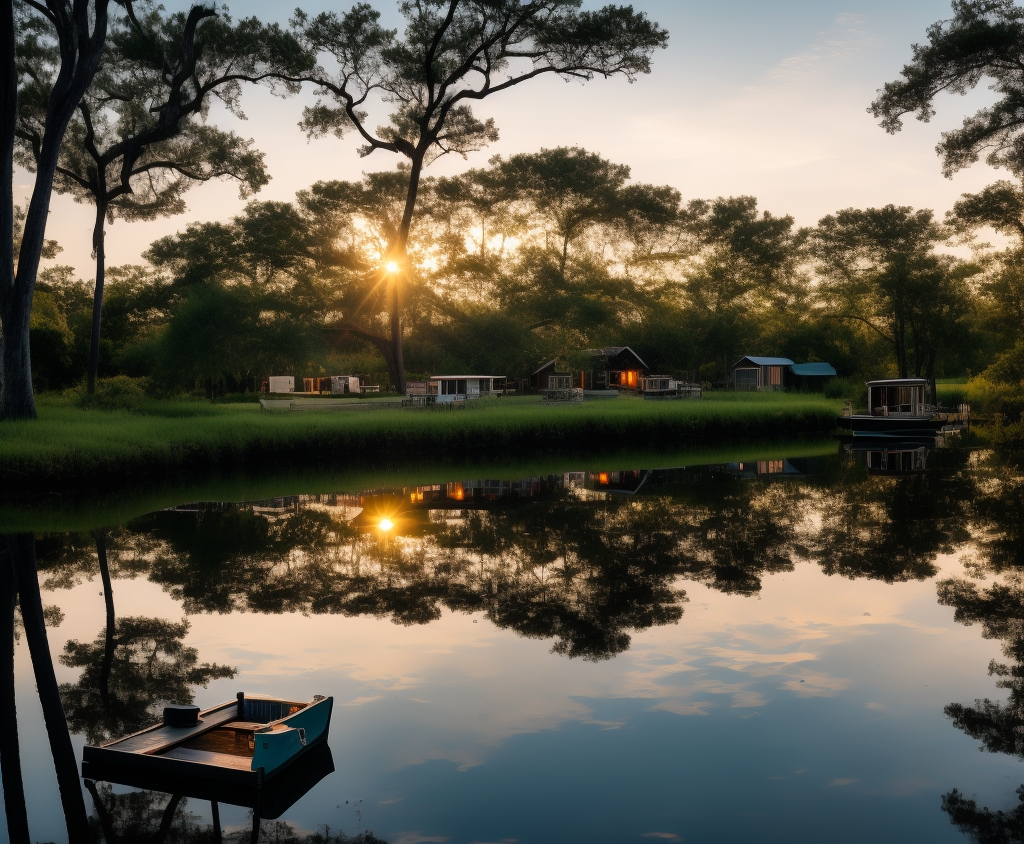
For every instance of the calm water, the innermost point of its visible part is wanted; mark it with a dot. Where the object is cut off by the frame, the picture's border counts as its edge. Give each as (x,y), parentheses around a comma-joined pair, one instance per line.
(787,650)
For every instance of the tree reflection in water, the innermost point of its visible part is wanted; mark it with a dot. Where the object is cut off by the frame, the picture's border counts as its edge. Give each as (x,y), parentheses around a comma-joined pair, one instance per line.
(581,568)
(996,512)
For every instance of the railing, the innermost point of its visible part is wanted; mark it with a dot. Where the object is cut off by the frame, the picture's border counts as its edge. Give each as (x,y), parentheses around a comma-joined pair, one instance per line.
(573,394)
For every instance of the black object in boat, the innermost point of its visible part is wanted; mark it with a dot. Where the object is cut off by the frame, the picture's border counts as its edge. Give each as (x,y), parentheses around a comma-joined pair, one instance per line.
(181,716)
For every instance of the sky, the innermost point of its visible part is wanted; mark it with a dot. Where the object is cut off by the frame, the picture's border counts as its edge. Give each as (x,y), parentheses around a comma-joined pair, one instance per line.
(750,98)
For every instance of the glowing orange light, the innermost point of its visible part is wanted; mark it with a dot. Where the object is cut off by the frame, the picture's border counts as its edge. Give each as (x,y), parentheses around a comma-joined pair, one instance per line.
(391,267)
(386,524)
(603,478)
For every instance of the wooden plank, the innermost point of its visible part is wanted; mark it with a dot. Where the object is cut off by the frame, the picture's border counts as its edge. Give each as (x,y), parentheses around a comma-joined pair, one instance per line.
(210,757)
(158,736)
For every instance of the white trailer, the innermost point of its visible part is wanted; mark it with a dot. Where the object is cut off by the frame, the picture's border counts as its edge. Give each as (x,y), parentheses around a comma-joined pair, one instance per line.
(281,384)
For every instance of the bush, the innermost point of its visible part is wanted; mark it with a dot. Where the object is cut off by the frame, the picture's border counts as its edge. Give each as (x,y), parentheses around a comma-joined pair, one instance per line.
(117,393)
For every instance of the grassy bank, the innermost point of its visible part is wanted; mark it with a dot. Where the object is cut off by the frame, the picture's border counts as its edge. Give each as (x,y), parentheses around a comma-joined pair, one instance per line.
(74,451)
(54,513)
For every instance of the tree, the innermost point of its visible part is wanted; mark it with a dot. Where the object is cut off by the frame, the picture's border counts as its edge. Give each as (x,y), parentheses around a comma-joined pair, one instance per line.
(140,139)
(149,665)
(878,269)
(454,52)
(17,554)
(983,40)
(999,206)
(79,30)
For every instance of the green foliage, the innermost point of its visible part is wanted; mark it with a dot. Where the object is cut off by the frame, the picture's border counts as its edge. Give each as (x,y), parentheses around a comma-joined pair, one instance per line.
(984,39)
(237,331)
(117,393)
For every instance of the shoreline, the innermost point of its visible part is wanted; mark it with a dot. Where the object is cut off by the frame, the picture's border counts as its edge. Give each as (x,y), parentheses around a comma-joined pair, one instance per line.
(80,454)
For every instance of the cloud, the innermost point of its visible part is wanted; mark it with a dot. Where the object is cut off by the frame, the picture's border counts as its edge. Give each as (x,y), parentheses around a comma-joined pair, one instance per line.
(359,701)
(663,836)
(847,38)
(677,707)
(839,781)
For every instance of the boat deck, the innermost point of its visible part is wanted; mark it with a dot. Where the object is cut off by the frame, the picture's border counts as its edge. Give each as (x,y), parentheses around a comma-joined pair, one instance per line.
(155,738)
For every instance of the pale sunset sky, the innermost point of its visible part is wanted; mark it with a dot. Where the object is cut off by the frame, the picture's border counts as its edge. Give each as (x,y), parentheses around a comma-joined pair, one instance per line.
(751,97)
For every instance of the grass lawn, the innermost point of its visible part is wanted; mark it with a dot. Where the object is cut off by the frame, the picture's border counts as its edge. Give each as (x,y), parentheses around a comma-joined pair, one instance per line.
(70,450)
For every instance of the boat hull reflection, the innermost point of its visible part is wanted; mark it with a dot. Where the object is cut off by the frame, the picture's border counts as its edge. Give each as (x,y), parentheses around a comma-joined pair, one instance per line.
(268,799)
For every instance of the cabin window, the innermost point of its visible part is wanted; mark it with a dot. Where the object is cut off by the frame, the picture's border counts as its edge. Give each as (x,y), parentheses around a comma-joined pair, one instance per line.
(559,382)
(631,378)
(774,376)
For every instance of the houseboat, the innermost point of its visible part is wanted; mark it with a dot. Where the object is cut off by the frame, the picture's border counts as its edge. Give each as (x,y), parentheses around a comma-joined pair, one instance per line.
(899,407)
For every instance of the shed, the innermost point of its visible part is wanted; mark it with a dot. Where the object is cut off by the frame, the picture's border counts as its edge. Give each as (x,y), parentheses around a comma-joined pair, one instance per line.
(758,373)
(811,376)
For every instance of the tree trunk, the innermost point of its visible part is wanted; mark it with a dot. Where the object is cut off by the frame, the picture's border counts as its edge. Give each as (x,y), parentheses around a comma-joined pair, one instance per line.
(16,401)
(215,811)
(106,822)
(97,296)
(168,818)
(10,751)
(108,601)
(81,44)
(401,250)
(64,762)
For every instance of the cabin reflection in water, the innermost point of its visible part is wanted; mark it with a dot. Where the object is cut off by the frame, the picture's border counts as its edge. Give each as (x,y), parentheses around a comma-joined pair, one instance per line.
(903,459)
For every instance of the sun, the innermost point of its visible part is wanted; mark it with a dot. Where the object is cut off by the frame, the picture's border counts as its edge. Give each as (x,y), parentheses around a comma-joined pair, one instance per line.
(391,267)
(386,524)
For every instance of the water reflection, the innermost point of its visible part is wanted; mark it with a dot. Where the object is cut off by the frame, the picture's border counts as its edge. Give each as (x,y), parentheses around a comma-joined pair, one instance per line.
(586,561)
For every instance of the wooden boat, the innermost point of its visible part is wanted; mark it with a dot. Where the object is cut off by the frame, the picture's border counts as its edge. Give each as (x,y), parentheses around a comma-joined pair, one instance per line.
(897,407)
(243,745)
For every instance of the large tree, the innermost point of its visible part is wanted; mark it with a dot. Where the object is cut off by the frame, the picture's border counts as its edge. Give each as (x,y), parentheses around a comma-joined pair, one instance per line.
(983,40)
(878,268)
(453,53)
(78,29)
(140,139)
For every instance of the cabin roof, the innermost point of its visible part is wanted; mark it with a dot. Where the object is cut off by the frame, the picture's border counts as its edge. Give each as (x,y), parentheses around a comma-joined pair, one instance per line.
(759,361)
(813,369)
(461,377)
(899,382)
(613,351)
(544,366)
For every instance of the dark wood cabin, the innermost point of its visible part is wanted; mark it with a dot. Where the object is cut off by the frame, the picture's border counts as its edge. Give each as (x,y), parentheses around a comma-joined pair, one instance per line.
(549,377)
(759,373)
(614,368)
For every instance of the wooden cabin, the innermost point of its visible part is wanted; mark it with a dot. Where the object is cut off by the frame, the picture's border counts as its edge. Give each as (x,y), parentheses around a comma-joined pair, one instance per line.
(549,377)
(614,368)
(448,388)
(760,373)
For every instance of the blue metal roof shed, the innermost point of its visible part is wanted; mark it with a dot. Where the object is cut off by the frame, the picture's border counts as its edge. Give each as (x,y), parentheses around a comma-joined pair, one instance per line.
(819,370)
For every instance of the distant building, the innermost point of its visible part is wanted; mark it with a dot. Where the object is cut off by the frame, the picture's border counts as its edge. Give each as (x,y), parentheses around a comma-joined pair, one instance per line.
(549,377)
(811,376)
(758,373)
(764,373)
(614,368)
(449,388)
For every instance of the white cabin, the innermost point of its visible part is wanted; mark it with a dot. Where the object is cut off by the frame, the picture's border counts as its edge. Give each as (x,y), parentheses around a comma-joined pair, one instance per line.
(449,388)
